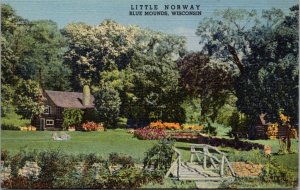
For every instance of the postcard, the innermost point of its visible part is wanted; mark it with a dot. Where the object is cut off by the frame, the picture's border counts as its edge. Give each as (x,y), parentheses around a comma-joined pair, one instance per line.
(149,94)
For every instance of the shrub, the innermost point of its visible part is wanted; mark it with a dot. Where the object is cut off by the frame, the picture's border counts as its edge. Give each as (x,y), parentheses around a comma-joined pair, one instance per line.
(254,156)
(62,171)
(274,172)
(72,117)
(92,126)
(10,127)
(108,102)
(149,134)
(237,144)
(125,161)
(4,155)
(160,156)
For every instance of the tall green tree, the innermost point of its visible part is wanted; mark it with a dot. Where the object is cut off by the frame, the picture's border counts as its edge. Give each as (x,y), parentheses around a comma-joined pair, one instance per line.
(257,46)
(208,79)
(29,99)
(107,102)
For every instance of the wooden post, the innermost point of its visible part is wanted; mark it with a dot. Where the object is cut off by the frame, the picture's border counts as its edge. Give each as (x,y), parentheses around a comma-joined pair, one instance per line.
(222,166)
(178,167)
(204,160)
(192,156)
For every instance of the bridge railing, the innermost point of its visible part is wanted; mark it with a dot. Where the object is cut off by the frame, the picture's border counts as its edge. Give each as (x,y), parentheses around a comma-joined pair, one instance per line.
(203,149)
(175,164)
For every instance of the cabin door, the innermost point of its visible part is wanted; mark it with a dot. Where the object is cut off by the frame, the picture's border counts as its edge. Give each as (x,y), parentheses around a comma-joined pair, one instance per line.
(42,124)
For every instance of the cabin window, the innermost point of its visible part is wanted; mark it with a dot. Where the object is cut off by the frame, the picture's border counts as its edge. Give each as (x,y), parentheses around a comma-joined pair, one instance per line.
(49,122)
(47,110)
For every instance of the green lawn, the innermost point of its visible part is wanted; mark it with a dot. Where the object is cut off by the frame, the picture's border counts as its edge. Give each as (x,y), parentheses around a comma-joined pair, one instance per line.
(104,143)
(101,143)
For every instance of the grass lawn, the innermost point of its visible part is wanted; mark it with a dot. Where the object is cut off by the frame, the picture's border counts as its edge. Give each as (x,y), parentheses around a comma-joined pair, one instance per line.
(104,143)
(101,143)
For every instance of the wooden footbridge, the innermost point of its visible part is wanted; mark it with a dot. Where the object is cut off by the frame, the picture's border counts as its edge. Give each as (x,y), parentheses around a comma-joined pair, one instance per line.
(207,163)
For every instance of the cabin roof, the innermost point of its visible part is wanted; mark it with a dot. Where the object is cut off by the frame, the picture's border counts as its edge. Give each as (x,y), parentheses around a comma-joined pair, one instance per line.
(69,99)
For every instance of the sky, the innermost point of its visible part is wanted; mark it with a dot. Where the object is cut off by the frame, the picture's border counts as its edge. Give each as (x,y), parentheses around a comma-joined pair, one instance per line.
(95,11)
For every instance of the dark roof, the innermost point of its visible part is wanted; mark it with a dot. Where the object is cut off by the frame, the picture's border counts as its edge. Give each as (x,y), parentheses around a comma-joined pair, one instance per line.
(68,99)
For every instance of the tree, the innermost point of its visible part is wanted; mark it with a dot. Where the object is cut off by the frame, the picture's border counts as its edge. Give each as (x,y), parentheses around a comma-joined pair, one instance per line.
(107,103)
(29,99)
(93,49)
(208,79)
(257,47)
(43,60)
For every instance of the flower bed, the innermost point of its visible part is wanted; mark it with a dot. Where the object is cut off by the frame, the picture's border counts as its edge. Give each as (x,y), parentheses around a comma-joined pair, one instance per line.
(243,169)
(28,128)
(164,125)
(193,127)
(92,126)
(149,134)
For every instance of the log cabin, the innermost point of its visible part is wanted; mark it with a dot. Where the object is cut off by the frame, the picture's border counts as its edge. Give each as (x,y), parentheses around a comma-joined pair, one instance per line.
(55,103)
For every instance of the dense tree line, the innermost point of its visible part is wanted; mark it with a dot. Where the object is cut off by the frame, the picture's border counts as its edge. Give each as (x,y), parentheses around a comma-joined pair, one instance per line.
(249,63)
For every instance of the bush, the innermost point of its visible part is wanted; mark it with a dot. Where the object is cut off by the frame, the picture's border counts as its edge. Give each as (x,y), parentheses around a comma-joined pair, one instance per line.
(160,156)
(149,134)
(210,130)
(72,117)
(10,127)
(125,161)
(91,115)
(237,144)
(274,172)
(92,126)
(62,171)
(254,156)
(239,122)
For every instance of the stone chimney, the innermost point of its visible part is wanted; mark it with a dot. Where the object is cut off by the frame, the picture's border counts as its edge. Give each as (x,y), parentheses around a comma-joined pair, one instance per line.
(86,95)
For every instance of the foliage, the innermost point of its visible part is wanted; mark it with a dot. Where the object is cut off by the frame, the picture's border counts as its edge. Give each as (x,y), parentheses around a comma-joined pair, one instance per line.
(29,99)
(237,144)
(72,117)
(10,127)
(210,80)
(264,50)
(108,102)
(91,115)
(226,111)
(125,161)
(160,156)
(274,172)
(238,122)
(192,109)
(164,125)
(59,170)
(272,130)
(253,156)
(155,95)
(149,134)
(92,126)
(4,155)
(210,129)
